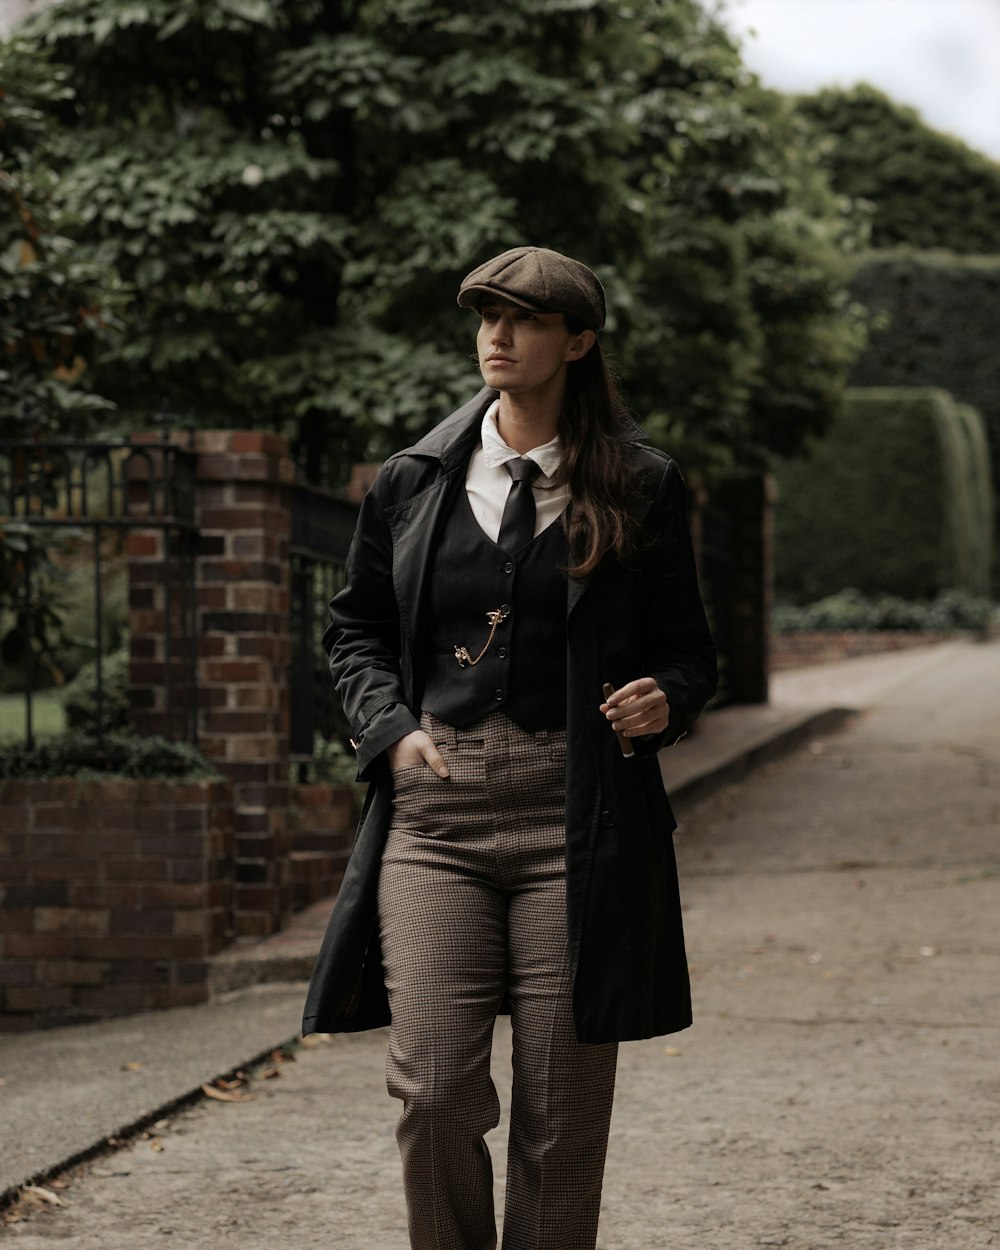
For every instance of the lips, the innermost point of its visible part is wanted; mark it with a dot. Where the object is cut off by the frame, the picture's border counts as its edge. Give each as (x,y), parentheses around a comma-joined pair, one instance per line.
(499,359)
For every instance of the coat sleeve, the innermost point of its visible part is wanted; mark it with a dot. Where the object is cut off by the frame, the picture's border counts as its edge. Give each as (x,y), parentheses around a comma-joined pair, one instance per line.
(678,650)
(364,640)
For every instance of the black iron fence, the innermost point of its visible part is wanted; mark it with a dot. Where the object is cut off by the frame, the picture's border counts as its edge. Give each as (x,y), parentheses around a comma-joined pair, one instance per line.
(66,506)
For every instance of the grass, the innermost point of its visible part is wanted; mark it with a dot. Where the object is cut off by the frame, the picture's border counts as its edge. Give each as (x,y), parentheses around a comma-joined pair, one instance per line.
(46,715)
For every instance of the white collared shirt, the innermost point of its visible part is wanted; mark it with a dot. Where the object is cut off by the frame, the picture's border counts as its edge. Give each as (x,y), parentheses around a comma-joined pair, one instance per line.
(488,482)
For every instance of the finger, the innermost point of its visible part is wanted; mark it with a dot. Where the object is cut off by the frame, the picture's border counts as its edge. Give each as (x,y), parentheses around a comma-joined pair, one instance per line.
(638,707)
(432,757)
(633,690)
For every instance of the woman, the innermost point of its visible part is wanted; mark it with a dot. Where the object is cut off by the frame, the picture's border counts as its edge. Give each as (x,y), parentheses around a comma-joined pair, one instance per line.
(514,851)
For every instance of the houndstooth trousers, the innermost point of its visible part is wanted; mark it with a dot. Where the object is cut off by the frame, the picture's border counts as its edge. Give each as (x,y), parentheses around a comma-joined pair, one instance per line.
(472,903)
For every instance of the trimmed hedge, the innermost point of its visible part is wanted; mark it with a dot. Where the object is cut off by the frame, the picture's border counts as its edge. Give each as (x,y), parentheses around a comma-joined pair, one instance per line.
(851,610)
(895,499)
(940,315)
(924,188)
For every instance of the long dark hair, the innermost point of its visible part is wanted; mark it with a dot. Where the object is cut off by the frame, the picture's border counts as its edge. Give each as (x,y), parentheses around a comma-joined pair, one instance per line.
(593,429)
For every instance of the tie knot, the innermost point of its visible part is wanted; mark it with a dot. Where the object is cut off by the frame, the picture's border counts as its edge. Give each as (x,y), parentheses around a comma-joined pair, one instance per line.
(522,469)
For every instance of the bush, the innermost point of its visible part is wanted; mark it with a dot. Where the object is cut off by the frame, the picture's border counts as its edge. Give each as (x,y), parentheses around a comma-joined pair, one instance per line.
(80,696)
(850,609)
(896,499)
(939,314)
(74,753)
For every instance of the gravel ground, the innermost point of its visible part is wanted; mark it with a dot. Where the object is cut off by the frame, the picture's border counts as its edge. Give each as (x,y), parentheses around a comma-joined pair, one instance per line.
(840,1088)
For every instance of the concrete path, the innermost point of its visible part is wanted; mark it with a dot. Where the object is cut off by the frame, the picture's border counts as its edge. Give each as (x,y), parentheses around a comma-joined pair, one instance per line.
(840,1088)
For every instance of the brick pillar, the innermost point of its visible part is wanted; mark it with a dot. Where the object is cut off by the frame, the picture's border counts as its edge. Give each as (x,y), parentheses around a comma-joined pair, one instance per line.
(244,520)
(241,628)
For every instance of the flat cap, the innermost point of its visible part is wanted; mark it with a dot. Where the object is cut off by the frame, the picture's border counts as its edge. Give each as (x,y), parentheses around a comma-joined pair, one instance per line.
(539,279)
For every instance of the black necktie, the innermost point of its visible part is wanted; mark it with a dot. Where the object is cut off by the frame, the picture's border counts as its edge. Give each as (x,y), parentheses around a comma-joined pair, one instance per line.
(517,526)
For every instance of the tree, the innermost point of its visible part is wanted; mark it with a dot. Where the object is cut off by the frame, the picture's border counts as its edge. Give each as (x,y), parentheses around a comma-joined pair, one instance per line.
(56,304)
(921,187)
(292,189)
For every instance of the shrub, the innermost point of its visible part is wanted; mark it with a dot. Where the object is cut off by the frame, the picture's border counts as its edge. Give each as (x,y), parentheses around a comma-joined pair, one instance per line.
(80,696)
(850,609)
(74,753)
(938,315)
(895,499)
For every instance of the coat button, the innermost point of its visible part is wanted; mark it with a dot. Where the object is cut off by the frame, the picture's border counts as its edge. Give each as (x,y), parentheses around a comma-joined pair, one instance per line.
(502,653)
(498,695)
(607,818)
(508,567)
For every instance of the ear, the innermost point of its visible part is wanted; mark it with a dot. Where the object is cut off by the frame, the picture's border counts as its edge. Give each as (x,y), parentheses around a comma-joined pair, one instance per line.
(580,344)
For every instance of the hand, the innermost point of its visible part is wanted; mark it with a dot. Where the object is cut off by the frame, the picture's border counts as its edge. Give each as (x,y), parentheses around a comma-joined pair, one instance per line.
(638,708)
(415,748)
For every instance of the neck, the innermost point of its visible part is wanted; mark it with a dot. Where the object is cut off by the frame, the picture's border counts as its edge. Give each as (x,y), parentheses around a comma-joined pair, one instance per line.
(529,420)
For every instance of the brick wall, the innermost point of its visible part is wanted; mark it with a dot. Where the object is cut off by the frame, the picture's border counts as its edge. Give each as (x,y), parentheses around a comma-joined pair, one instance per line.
(323,817)
(115,893)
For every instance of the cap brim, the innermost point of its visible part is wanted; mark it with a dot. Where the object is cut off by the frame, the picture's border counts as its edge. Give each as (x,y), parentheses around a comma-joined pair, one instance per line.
(473,296)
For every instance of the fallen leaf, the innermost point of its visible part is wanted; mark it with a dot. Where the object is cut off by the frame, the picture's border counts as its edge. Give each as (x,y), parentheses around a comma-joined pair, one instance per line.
(928,952)
(131,1067)
(226,1095)
(269,1074)
(673,1051)
(227,1083)
(156,1145)
(46,1195)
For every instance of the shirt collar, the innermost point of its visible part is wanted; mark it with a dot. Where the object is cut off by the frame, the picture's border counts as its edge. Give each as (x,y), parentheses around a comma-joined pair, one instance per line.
(548,457)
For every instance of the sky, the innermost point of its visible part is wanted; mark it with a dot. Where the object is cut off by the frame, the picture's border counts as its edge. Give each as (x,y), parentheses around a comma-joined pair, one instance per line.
(939,56)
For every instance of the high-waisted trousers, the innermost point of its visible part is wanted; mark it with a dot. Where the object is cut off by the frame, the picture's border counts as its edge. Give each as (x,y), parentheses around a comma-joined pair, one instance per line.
(472,904)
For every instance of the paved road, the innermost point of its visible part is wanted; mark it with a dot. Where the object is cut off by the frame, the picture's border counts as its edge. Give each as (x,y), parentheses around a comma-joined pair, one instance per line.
(840,1089)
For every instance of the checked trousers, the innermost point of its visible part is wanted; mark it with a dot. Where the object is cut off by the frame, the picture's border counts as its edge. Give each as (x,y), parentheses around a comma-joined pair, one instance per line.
(472,904)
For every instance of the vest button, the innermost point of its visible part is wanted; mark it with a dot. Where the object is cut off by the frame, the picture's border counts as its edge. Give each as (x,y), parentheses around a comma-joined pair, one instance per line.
(506,609)
(502,653)
(508,567)
(498,695)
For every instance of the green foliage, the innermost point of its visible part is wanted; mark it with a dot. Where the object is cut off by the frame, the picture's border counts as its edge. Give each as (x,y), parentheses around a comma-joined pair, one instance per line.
(938,316)
(76,753)
(921,187)
(850,609)
(33,603)
(290,191)
(80,696)
(56,306)
(895,499)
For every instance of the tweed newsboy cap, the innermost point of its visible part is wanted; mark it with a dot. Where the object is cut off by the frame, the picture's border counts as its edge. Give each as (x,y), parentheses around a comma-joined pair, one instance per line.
(539,279)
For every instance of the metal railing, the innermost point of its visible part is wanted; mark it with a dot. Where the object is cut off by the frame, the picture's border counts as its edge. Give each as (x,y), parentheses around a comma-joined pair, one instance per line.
(53,487)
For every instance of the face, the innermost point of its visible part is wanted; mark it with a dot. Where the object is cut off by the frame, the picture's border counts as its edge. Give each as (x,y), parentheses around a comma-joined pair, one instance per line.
(522,351)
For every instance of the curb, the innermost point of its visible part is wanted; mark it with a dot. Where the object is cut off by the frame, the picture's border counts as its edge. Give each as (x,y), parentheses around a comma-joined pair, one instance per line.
(123,1136)
(770,745)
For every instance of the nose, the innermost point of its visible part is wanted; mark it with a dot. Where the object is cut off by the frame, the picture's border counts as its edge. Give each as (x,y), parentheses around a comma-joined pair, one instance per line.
(500,332)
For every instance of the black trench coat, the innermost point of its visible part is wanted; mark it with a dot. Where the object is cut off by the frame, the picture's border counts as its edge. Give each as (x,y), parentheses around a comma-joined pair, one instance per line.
(624,928)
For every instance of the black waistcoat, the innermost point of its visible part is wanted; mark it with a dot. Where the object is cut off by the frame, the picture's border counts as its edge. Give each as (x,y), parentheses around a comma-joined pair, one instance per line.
(524,669)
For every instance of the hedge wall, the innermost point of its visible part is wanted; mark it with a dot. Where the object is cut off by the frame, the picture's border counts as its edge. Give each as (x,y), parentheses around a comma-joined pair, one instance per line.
(897,498)
(925,188)
(942,320)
